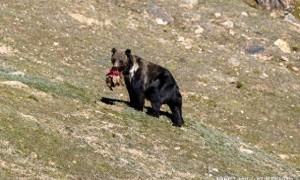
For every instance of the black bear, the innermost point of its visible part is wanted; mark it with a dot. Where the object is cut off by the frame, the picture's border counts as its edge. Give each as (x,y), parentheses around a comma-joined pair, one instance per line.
(144,79)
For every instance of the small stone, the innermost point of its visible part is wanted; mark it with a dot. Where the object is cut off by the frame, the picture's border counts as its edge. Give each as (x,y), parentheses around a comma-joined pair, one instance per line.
(231,80)
(233,62)
(159,15)
(292,19)
(51,163)
(228,24)
(245,14)
(161,21)
(283,156)
(252,14)
(295,69)
(255,49)
(244,150)
(283,45)
(191,2)
(218,15)
(33,155)
(215,170)
(199,30)
(18,73)
(205,97)
(264,75)
(285,59)
(187,43)
(292,68)
(274,15)
(177,148)
(180,39)
(55,43)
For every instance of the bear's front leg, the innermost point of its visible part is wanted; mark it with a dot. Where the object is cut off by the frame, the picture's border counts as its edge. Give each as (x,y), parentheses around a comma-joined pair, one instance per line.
(132,95)
(155,109)
(139,101)
(138,96)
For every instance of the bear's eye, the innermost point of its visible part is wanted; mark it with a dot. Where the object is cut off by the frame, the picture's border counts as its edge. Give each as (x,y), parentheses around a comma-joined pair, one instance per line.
(113,60)
(121,62)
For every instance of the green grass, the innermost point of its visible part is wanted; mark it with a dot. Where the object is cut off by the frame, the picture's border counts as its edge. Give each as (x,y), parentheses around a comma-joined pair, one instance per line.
(296,11)
(56,89)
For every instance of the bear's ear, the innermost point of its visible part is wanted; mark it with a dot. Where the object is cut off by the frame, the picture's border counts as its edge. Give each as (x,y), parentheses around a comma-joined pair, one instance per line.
(128,52)
(113,50)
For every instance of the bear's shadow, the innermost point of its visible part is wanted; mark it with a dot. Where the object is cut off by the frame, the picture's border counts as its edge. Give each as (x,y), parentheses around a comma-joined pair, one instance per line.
(149,111)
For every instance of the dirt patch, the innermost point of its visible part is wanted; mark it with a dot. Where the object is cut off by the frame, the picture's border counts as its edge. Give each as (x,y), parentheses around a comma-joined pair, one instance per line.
(84,20)
(6,50)
(14,84)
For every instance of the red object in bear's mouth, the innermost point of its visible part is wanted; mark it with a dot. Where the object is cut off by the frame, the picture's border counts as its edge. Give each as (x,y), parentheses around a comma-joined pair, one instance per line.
(113,78)
(113,72)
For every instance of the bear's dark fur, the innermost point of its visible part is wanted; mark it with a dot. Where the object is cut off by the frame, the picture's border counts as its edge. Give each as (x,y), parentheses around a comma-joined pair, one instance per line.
(144,79)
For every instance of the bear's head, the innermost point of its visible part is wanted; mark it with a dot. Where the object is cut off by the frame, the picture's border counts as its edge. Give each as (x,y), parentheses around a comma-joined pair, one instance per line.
(121,61)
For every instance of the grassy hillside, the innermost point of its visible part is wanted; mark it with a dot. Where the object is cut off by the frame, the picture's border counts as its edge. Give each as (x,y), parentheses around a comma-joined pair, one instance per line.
(58,120)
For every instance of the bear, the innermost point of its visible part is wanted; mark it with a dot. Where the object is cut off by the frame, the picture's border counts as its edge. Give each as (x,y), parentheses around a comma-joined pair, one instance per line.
(146,80)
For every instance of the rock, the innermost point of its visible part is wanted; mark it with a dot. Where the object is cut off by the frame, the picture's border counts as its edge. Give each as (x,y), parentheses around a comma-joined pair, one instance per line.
(274,15)
(33,155)
(264,75)
(245,14)
(285,59)
(233,62)
(159,15)
(291,19)
(6,50)
(84,20)
(192,2)
(231,80)
(283,156)
(231,32)
(244,150)
(287,5)
(218,15)
(189,3)
(292,68)
(187,43)
(215,169)
(55,44)
(295,69)
(283,45)
(228,24)
(254,49)
(253,14)
(18,73)
(199,30)
(265,57)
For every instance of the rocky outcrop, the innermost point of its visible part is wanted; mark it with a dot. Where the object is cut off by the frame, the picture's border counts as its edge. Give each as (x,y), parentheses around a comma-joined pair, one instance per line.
(278,4)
